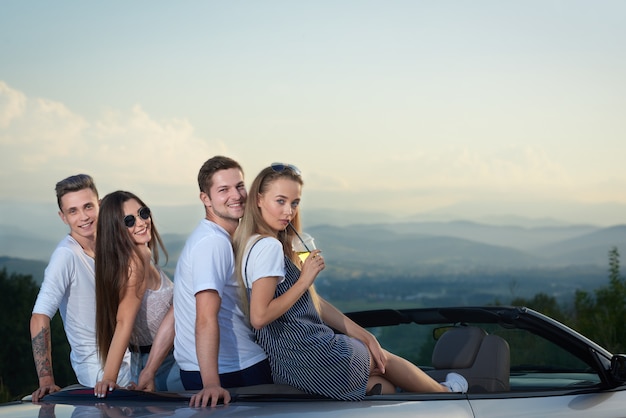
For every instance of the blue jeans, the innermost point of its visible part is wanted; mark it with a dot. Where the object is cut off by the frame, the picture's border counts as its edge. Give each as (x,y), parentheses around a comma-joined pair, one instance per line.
(167,377)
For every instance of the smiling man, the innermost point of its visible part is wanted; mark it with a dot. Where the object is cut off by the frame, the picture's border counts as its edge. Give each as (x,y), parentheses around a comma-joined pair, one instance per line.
(69,287)
(214,345)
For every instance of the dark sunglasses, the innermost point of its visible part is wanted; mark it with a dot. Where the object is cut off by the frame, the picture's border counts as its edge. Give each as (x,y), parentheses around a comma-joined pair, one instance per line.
(278,167)
(144,213)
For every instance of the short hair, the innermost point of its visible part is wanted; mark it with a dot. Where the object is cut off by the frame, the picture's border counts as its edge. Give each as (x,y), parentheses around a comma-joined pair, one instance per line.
(74,184)
(212,166)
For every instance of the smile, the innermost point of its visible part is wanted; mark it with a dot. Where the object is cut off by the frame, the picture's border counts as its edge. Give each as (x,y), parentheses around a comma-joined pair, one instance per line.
(86,225)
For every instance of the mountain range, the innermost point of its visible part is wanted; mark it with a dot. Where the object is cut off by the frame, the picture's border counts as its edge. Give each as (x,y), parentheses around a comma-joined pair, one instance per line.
(408,248)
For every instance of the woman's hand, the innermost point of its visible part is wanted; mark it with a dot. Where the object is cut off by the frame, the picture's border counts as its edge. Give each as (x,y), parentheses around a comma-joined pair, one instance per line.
(379,355)
(103,387)
(313,264)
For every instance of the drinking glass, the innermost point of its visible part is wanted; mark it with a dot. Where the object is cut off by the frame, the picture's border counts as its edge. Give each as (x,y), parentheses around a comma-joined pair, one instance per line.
(303,244)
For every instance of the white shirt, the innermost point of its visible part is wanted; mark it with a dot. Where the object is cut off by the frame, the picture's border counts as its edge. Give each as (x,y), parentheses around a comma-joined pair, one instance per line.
(267,260)
(69,286)
(207,262)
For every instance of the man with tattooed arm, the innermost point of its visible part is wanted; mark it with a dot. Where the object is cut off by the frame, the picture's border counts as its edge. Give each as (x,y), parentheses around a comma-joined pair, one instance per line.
(69,287)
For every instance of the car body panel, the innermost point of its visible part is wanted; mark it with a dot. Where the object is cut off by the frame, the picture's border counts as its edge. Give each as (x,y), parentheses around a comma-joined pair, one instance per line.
(554,371)
(608,404)
(430,406)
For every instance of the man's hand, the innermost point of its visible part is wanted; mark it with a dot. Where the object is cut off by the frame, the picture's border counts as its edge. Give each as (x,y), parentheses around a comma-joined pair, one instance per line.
(43,391)
(42,354)
(146,381)
(209,393)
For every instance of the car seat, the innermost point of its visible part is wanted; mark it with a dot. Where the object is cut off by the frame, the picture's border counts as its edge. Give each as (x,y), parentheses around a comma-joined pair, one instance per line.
(483,359)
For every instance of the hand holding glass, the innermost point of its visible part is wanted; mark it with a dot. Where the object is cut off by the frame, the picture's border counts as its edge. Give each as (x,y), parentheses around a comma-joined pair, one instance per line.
(303,244)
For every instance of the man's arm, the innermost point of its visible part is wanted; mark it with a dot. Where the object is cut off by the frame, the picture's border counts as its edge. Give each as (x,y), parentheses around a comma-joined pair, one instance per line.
(161,346)
(207,349)
(42,354)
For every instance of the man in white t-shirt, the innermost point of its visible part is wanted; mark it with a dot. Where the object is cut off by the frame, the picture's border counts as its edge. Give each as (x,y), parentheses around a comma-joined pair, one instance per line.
(69,287)
(206,295)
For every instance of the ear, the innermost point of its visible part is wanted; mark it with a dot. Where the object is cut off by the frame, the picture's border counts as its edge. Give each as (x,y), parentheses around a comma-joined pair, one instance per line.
(205,199)
(259,196)
(63,218)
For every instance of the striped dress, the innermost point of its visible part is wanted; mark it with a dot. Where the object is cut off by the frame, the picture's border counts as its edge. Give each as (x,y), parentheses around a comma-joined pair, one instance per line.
(307,354)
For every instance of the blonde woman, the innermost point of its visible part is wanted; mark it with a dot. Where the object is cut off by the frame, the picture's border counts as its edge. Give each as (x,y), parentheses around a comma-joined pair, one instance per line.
(292,323)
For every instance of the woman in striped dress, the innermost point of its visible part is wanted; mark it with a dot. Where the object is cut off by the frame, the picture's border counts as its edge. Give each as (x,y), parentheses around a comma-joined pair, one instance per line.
(292,323)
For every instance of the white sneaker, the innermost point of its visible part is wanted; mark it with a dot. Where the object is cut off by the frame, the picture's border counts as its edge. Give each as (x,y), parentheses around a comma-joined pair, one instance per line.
(455,383)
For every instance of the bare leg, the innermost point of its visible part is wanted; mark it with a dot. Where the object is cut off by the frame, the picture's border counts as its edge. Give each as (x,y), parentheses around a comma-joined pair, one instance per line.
(409,377)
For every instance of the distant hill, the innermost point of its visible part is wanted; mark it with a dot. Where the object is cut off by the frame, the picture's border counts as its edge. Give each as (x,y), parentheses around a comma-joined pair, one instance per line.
(442,261)
(592,247)
(375,250)
(446,248)
(16,242)
(34,268)
(522,238)
(412,248)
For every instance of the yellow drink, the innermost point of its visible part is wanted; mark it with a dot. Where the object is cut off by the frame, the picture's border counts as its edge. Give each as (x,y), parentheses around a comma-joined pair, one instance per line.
(303,255)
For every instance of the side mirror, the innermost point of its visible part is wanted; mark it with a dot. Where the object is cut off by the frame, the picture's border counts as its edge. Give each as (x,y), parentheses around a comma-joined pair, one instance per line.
(618,368)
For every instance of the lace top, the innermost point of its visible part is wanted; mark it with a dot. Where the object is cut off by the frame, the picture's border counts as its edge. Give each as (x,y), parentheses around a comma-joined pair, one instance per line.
(154,306)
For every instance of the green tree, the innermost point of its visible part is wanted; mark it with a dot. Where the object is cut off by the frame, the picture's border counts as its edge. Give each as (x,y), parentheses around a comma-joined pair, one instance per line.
(17,370)
(600,316)
(544,303)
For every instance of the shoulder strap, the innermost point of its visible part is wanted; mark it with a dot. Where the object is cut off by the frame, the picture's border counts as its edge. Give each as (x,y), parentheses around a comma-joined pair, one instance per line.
(245,268)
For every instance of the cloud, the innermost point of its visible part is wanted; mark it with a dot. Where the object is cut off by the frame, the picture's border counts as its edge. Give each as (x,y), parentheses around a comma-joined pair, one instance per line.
(44,141)
(459,167)
(12,105)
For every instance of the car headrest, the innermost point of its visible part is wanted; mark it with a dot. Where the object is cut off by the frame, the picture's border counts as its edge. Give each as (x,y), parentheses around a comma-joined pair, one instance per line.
(457,348)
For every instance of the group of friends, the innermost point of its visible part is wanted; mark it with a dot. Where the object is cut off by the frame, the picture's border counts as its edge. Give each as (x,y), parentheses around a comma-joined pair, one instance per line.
(242,309)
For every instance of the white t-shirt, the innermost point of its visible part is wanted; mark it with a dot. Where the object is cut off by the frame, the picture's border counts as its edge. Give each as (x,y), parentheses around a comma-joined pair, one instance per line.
(267,260)
(207,262)
(69,286)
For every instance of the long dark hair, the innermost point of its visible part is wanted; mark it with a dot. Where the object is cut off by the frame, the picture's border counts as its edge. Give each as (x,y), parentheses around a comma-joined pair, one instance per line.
(115,251)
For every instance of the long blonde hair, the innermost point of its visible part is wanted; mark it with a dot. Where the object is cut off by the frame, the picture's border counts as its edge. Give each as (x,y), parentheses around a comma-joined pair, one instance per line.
(252,223)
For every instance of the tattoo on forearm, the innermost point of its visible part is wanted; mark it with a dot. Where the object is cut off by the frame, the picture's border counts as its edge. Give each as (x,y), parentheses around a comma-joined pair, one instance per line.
(41,353)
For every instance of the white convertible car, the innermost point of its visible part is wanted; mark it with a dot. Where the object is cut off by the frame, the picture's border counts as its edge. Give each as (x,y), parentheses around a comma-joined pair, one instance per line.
(518,363)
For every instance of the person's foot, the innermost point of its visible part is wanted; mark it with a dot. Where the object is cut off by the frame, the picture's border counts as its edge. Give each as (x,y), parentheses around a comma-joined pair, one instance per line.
(455,383)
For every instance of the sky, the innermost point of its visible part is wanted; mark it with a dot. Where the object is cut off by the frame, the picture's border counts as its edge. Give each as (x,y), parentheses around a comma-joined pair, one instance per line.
(395,107)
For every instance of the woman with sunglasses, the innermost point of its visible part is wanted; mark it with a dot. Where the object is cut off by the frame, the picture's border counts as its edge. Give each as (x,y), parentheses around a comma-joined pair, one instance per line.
(133,297)
(292,323)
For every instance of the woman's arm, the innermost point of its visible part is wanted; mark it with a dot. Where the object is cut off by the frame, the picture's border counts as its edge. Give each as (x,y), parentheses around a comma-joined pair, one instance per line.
(161,346)
(125,321)
(264,308)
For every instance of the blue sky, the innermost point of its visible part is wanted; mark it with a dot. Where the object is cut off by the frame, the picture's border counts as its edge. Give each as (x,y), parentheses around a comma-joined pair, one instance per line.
(399,107)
